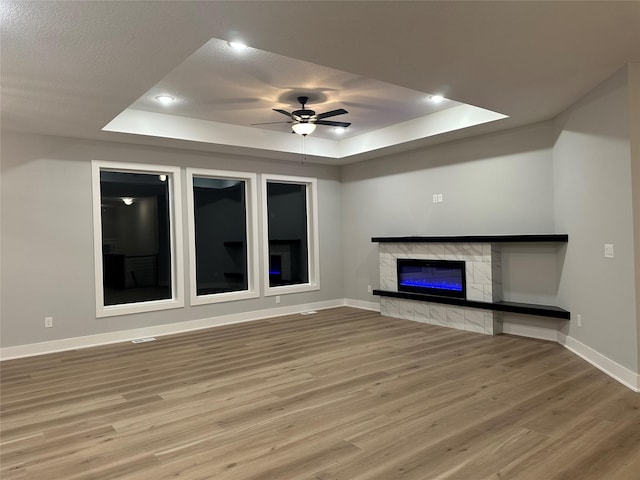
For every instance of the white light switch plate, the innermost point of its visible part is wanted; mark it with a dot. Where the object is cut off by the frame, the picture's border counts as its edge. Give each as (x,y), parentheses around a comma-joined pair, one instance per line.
(608,250)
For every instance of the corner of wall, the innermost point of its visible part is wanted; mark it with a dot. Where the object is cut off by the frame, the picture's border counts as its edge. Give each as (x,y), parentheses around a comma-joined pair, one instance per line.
(634,138)
(596,204)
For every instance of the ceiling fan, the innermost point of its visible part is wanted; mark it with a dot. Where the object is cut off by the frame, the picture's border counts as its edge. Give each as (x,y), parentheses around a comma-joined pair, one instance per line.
(304,121)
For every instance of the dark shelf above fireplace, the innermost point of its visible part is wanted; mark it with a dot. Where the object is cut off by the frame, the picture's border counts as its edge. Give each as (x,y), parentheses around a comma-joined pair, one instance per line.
(503,306)
(529,238)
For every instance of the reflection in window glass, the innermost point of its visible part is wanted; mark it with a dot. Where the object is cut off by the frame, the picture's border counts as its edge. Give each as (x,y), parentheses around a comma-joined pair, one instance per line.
(136,241)
(220,235)
(288,236)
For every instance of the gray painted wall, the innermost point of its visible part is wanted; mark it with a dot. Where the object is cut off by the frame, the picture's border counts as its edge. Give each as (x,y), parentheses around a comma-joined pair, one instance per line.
(634,137)
(593,203)
(47,238)
(496,184)
(575,174)
(571,175)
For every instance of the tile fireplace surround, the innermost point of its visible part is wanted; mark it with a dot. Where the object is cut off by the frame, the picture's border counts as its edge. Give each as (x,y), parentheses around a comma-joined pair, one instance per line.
(483,265)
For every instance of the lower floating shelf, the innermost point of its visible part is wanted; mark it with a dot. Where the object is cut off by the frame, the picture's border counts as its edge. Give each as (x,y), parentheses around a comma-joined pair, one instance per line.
(512,307)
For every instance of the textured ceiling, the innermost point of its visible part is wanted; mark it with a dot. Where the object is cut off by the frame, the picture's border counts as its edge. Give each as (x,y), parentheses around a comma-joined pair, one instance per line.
(69,68)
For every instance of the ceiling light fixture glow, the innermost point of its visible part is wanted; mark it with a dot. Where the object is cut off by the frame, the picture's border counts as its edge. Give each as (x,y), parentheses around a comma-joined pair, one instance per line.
(339,130)
(436,98)
(237,45)
(127,200)
(303,129)
(165,99)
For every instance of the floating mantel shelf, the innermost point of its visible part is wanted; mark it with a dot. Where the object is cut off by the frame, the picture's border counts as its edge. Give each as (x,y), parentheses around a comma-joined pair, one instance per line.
(533,238)
(503,306)
(548,311)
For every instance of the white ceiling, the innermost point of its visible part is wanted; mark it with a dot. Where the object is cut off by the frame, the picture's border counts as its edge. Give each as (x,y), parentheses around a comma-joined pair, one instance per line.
(70,68)
(220,84)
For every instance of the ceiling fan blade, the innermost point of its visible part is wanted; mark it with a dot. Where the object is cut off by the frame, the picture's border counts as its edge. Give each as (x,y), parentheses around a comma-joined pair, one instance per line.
(333,124)
(269,123)
(290,115)
(332,113)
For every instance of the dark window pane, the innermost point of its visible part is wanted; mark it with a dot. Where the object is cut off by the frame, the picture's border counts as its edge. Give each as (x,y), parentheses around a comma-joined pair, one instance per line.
(136,241)
(287,223)
(221,235)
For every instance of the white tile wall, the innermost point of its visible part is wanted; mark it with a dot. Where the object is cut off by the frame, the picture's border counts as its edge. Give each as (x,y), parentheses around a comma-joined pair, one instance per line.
(407,309)
(475,291)
(422,312)
(390,307)
(483,270)
(475,320)
(455,317)
(438,314)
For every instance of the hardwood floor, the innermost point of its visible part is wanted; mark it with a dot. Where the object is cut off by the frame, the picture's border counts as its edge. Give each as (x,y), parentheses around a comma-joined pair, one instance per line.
(342,394)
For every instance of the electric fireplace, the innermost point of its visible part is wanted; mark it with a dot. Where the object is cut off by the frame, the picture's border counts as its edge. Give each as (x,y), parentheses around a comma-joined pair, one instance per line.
(445,278)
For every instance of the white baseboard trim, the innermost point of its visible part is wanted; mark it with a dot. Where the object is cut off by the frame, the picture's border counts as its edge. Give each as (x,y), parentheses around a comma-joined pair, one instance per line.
(75,343)
(373,306)
(616,371)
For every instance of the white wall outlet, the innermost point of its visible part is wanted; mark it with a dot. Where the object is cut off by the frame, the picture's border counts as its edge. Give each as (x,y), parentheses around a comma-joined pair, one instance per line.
(440,200)
(435,198)
(369,289)
(277,298)
(579,320)
(608,250)
(48,322)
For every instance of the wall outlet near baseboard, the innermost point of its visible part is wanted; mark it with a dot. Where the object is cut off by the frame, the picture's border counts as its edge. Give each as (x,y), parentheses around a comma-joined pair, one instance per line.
(277,298)
(369,289)
(579,320)
(48,322)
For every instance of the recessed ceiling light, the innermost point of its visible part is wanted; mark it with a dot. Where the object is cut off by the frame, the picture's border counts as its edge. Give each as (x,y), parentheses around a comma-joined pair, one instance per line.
(237,45)
(436,98)
(165,99)
(339,130)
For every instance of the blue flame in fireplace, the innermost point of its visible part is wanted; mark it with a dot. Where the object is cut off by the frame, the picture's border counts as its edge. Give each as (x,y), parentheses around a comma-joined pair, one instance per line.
(437,277)
(438,284)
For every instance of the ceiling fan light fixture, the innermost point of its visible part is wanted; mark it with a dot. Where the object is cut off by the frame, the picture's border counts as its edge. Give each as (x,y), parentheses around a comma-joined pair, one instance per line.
(303,129)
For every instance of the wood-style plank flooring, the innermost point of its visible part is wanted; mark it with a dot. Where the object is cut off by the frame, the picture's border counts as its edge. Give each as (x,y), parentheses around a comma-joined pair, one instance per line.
(343,394)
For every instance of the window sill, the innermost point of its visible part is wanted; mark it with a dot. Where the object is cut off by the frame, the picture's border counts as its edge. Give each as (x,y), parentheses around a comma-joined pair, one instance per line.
(141,307)
(223,297)
(287,289)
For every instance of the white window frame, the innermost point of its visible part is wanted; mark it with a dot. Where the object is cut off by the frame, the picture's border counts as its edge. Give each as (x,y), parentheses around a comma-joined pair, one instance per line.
(313,255)
(251,208)
(175,224)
